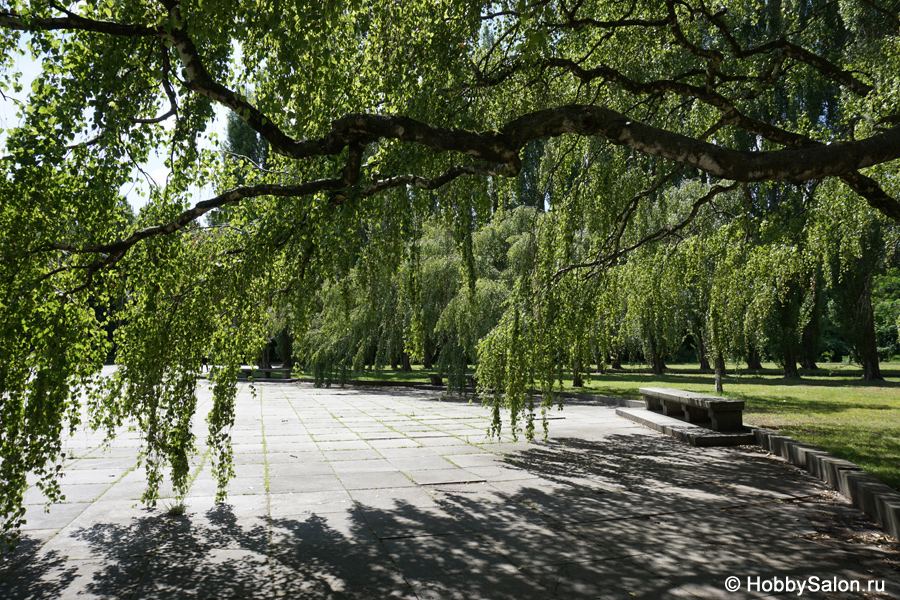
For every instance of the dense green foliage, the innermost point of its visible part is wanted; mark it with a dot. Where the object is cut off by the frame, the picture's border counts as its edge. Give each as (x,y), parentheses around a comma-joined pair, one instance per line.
(532,182)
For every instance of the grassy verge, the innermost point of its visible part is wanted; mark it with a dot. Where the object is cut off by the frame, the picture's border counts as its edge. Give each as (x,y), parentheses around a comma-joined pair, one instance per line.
(855,420)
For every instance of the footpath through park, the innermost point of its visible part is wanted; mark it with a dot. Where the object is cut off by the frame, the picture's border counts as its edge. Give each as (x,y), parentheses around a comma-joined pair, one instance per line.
(397,493)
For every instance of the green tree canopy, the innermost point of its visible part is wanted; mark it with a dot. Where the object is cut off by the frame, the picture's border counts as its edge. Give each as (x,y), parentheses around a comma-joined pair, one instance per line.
(377,115)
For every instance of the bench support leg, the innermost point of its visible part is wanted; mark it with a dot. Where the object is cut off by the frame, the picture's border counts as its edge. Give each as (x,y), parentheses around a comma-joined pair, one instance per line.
(652,403)
(695,414)
(672,409)
(730,420)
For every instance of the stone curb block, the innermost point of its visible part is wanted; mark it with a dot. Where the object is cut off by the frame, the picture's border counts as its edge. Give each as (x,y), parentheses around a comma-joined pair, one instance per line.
(878,501)
(889,513)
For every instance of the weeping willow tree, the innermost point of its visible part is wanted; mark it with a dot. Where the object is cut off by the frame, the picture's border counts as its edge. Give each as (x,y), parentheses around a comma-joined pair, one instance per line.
(377,115)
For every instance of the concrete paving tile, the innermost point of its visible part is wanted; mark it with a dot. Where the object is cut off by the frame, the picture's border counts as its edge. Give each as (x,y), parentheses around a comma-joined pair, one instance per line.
(103,462)
(82,475)
(340,570)
(477,459)
(443,476)
(339,455)
(116,538)
(362,466)
(375,480)
(411,452)
(27,546)
(306,483)
(203,487)
(126,490)
(500,473)
(251,470)
(463,450)
(380,435)
(504,583)
(53,576)
(249,457)
(302,503)
(431,556)
(423,436)
(291,448)
(217,528)
(292,457)
(248,448)
(406,521)
(217,573)
(298,468)
(338,529)
(421,463)
(247,505)
(87,492)
(605,579)
(336,436)
(630,537)
(57,517)
(390,498)
(130,452)
(247,485)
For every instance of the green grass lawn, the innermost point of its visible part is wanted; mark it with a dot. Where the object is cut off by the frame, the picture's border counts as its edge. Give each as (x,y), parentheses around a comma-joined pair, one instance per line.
(832,408)
(852,419)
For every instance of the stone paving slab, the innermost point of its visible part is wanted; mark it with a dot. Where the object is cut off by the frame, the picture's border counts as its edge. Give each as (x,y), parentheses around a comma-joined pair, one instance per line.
(398,493)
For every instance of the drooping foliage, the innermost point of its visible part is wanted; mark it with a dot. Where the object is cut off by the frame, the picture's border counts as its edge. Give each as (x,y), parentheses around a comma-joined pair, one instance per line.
(391,146)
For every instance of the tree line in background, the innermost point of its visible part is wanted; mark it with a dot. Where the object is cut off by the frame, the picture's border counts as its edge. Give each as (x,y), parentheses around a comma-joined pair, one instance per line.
(791,276)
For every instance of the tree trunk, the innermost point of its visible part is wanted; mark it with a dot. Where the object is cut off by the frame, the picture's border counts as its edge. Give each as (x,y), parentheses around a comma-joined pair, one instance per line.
(701,351)
(616,363)
(657,364)
(753,362)
(264,361)
(810,347)
(598,357)
(868,345)
(789,362)
(720,373)
(577,381)
(809,338)
(404,357)
(427,360)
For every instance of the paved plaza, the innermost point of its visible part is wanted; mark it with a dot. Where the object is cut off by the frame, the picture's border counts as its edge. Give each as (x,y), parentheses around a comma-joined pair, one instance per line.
(398,493)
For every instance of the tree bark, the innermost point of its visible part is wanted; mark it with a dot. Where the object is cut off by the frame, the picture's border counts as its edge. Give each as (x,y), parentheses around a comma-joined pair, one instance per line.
(810,347)
(598,357)
(426,356)
(577,381)
(753,361)
(264,361)
(406,366)
(868,344)
(789,362)
(720,373)
(657,364)
(702,354)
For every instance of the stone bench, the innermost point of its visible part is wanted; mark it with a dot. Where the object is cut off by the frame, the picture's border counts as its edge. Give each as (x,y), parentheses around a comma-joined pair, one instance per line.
(248,371)
(720,414)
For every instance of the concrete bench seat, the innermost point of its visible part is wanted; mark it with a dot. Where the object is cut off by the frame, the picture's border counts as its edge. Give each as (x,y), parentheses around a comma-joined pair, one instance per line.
(721,414)
(285,372)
